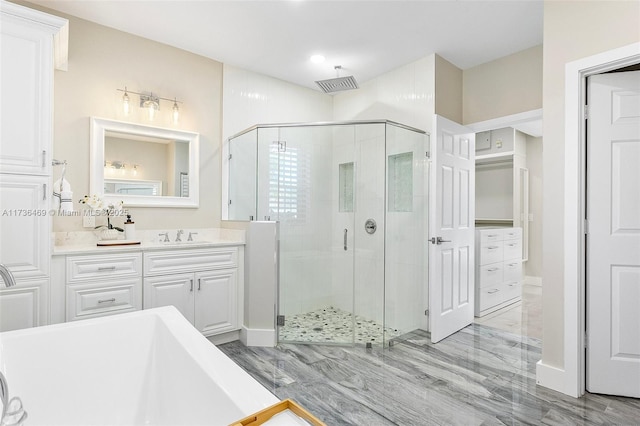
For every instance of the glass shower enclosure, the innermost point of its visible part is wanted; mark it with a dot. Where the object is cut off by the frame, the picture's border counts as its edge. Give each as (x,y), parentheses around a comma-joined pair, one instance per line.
(352,204)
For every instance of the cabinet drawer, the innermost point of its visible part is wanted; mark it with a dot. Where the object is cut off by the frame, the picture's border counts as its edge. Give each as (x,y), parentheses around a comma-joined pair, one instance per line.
(490,253)
(512,233)
(91,300)
(490,235)
(189,260)
(491,296)
(512,290)
(83,268)
(513,270)
(494,295)
(491,275)
(512,249)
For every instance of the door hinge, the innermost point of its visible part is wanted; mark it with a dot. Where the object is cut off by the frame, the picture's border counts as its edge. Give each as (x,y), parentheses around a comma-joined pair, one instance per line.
(230,156)
(426,312)
(586,112)
(427,154)
(229,201)
(280,320)
(586,340)
(586,227)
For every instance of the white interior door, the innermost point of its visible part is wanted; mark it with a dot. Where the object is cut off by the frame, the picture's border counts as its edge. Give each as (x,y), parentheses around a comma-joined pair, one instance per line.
(452,220)
(613,240)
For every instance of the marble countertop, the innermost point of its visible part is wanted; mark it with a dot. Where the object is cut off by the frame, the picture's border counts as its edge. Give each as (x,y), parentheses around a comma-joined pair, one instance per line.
(65,243)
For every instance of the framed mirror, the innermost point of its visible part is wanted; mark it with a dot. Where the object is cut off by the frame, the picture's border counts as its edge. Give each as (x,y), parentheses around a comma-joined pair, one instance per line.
(144,166)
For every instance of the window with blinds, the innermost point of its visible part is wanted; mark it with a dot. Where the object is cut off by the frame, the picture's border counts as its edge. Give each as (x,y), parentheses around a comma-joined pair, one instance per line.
(289,182)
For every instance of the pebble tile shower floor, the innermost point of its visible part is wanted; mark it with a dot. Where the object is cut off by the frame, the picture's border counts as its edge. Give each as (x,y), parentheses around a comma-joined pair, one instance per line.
(333,325)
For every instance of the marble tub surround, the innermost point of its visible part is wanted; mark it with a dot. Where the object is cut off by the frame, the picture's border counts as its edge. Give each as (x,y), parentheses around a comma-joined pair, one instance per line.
(478,376)
(79,241)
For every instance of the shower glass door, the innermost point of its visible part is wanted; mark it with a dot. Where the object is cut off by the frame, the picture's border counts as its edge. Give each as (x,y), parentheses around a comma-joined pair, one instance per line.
(316,245)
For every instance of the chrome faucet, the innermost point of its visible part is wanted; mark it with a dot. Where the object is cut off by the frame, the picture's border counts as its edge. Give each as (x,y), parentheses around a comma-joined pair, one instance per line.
(180,232)
(191,234)
(12,411)
(166,237)
(7,276)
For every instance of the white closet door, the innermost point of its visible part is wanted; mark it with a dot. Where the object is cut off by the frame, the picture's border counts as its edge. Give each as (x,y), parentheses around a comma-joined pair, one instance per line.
(452,219)
(613,240)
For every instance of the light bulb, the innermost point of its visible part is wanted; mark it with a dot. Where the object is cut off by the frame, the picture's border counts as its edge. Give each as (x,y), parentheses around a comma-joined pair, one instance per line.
(176,112)
(152,111)
(135,170)
(125,102)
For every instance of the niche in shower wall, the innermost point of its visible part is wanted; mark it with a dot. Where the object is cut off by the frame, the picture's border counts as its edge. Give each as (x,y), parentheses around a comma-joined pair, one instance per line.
(401,182)
(345,190)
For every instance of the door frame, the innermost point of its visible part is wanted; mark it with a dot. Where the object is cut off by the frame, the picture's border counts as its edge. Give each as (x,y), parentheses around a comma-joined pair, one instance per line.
(571,379)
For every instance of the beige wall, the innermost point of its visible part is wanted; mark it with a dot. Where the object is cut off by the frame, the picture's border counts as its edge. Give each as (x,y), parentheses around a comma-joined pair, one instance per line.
(102,60)
(506,86)
(572,30)
(448,90)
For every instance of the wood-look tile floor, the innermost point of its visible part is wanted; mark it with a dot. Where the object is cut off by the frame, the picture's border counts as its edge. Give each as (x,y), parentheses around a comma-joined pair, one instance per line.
(478,376)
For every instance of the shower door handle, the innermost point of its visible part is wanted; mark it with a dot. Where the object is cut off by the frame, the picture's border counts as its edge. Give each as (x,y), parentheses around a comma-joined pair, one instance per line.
(345,239)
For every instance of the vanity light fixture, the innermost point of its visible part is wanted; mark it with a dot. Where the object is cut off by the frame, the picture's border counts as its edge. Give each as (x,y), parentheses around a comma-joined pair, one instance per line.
(151,103)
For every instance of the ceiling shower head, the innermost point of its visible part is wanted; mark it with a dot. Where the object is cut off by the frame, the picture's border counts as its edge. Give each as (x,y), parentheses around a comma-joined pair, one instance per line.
(337,84)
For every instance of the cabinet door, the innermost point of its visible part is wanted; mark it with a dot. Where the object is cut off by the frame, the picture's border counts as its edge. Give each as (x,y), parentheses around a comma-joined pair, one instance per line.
(25,226)
(22,307)
(177,290)
(216,301)
(26,81)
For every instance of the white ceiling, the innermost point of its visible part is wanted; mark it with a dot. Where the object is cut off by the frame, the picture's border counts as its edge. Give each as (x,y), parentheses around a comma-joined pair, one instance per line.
(367,38)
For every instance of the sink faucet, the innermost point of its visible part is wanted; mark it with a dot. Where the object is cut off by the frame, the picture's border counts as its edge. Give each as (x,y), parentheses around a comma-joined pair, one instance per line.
(180,232)
(12,411)
(191,234)
(166,237)
(7,276)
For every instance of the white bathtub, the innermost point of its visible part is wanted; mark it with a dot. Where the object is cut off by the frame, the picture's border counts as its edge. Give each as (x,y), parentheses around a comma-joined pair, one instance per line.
(146,367)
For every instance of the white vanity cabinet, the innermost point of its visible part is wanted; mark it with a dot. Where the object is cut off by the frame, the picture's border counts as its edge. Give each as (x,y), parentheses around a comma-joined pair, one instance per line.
(30,43)
(498,268)
(200,283)
(103,284)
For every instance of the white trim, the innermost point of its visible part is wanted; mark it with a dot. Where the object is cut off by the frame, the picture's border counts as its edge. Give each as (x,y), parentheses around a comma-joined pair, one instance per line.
(531,280)
(549,376)
(258,337)
(573,380)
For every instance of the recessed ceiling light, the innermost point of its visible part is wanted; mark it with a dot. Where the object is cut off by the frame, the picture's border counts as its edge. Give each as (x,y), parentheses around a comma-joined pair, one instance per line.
(317,59)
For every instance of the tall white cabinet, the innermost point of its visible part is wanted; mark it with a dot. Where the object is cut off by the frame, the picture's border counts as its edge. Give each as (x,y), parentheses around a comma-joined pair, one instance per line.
(27,54)
(502,181)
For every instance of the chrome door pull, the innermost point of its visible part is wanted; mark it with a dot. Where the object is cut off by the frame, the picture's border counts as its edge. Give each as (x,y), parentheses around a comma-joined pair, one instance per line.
(113,299)
(438,240)
(191,288)
(345,239)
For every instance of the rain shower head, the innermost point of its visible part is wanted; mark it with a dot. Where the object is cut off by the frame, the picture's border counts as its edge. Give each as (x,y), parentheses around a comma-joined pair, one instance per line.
(338,84)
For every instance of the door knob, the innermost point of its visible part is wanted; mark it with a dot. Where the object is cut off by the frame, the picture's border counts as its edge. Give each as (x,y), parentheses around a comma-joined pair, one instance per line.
(438,240)
(370,226)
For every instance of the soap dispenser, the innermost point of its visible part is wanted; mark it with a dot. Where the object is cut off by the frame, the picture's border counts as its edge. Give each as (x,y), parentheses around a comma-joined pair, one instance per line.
(129,229)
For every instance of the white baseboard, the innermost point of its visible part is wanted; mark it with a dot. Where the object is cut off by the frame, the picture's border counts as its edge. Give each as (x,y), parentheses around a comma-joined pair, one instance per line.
(258,337)
(221,339)
(552,378)
(530,280)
